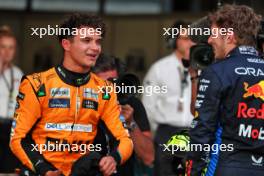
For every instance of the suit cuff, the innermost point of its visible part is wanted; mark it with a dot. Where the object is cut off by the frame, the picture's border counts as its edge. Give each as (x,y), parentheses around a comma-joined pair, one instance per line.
(116,155)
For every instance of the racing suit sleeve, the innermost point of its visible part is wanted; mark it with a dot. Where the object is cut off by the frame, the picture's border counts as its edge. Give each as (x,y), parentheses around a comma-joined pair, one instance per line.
(27,113)
(205,122)
(111,118)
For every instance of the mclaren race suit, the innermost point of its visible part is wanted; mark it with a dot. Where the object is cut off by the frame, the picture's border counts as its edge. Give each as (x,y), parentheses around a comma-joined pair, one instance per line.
(229,117)
(56,117)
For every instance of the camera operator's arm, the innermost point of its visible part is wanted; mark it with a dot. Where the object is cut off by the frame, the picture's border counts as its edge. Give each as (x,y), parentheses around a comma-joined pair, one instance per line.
(205,122)
(194,81)
(142,140)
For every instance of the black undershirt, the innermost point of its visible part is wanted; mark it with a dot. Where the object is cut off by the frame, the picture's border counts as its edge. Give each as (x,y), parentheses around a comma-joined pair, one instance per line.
(72,78)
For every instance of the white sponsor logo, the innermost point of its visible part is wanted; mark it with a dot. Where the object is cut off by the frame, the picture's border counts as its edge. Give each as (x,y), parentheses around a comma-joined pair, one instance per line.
(90,93)
(206,81)
(60,92)
(200,96)
(247,50)
(249,71)
(249,132)
(255,60)
(257,162)
(68,127)
(198,103)
(203,88)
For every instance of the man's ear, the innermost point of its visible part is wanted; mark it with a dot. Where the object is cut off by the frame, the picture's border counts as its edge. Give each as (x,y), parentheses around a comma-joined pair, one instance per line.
(231,39)
(66,44)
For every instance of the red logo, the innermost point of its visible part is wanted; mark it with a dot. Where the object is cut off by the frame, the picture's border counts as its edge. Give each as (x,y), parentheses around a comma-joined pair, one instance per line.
(245,112)
(256,90)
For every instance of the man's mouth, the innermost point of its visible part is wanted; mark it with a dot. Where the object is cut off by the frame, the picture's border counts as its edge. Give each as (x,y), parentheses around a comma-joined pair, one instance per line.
(92,55)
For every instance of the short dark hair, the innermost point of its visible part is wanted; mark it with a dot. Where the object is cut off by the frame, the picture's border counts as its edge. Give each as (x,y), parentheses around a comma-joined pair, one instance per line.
(171,41)
(107,62)
(244,21)
(5,31)
(78,20)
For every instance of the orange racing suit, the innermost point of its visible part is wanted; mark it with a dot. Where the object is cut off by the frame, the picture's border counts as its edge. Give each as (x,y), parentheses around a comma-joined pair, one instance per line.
(53,110)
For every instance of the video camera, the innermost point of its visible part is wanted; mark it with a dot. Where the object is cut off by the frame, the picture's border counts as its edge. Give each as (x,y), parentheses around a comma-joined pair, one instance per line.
(127,84)
(202,55)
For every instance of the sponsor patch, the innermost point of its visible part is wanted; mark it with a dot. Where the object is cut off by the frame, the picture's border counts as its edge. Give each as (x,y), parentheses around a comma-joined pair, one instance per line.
(257,161)
(20,96)
(90,93)
(68,127)
(41,92)
(17,105)
(249,71)
(256,90)
(59,103)
(60,92)
(89,104)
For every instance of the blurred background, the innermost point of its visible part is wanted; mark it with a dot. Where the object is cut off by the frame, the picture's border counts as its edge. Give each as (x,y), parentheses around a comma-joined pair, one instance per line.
(134,27)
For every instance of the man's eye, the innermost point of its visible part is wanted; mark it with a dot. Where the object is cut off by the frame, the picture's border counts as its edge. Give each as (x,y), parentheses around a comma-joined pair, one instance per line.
(87,40)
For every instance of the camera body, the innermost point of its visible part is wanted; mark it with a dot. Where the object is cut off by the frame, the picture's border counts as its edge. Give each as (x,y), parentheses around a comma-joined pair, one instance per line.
(201,56)
(127,85)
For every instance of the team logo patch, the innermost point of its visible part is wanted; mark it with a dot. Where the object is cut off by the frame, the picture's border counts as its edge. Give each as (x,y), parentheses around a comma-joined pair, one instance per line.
(41,92)
(59,103)
(256,90)
(68,127)
(89,104)
(90,93)
(60,92)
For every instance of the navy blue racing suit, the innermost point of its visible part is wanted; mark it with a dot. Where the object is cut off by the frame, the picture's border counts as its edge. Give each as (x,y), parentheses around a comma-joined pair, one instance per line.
(227,134)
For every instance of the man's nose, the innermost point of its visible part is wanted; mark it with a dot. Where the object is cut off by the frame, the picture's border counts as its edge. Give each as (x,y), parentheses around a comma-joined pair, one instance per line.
(95,46)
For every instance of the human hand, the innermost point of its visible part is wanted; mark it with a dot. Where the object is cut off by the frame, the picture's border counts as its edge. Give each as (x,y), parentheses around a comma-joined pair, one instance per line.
(127,111)
(107,165)
(193,72)
(53,173)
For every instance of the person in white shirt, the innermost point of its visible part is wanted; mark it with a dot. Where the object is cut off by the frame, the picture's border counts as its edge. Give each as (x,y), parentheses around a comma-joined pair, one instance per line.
(169,112)
(10,75)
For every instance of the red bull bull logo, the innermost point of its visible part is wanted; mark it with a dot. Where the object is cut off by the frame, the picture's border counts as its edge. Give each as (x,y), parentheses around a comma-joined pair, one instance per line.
(256,90)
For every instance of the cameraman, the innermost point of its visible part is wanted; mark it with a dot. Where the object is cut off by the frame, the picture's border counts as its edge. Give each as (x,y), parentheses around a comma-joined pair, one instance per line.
(169,112)
(230,99)
(108,67)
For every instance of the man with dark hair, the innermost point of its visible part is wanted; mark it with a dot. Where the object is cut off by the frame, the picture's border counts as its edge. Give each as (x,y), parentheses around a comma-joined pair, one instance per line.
(229,104)
(109,67)
(58,110)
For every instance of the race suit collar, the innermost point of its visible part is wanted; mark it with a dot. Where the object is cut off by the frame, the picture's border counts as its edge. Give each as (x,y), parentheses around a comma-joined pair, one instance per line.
(72,78)
(243,49)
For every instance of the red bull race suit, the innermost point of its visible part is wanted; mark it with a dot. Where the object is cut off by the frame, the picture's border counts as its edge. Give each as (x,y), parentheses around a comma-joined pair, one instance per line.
(227,135)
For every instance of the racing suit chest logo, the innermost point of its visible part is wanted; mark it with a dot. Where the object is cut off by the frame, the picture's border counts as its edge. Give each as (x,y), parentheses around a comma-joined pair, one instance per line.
(256,90)
(245,112)
(60,92)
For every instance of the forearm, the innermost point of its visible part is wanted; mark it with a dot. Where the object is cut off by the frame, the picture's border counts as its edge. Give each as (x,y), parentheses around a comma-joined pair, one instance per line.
(143,146)
(194,95)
